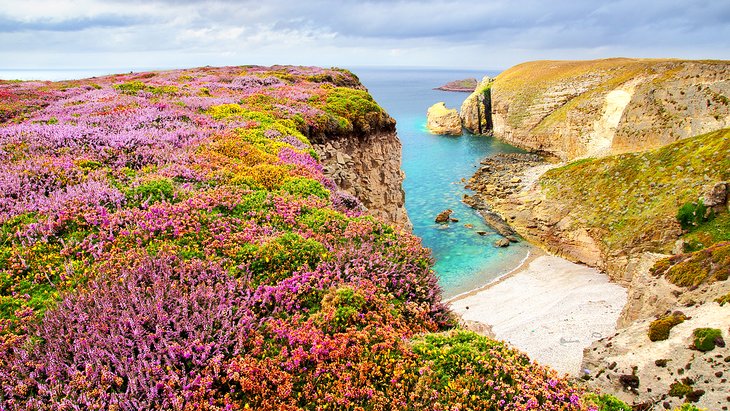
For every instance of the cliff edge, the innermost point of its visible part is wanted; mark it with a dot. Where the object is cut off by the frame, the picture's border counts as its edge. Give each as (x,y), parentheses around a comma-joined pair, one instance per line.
(572,109)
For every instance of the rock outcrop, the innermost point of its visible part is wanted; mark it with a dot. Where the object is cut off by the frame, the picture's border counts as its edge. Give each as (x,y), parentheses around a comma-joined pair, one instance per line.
(573,109)
(472,110)
(442,120)
(367,164)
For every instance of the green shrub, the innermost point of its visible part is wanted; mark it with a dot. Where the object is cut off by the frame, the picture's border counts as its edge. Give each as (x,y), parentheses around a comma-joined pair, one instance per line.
(349,304)
(606,402)
(323,220)
(130,87)
(659,329)
(705,338)
(133,87)
(692,214)
(151,192)
(88,164)
(689,407)
(305,187)
(281,256)
(352,108)
(679,389)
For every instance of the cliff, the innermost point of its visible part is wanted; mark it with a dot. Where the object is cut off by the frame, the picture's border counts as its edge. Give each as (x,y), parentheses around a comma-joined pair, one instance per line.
(367,165)
(572,109)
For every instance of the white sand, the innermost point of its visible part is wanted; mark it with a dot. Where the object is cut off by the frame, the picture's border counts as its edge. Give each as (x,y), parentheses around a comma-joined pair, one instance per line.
(551,310)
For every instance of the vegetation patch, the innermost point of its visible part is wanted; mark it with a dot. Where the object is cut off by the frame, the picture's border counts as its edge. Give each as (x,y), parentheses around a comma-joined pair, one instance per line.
(705,339)
(631,199)
(680,389)
(700,267)
(607,402)
(660,328)
(723,299)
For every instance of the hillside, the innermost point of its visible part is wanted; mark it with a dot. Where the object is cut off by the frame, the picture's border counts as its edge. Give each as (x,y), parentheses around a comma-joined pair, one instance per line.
(625,214)
(572,109)
(169,240)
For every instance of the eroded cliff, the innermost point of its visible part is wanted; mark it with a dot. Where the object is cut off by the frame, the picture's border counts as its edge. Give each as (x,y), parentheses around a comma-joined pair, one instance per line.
(367,164)
(573,109)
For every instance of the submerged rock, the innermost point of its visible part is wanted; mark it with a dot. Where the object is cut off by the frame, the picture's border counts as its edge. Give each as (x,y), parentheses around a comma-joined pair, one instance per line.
(442,120)
(502,242)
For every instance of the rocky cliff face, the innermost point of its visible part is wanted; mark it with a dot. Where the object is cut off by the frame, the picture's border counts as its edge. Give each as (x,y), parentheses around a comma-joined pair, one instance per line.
(472,109)
(573,109)
(366,164)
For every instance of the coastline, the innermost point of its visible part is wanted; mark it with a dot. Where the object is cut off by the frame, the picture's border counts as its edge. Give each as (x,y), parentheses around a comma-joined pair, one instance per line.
(548,307)
(532,254)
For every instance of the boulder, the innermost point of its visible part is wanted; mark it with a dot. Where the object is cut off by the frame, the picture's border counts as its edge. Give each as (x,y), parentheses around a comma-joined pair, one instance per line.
(442,120)
(716,196)
(502,242)
(444,216)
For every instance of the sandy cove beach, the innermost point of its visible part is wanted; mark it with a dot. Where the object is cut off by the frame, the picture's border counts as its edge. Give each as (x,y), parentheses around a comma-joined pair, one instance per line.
(549,308)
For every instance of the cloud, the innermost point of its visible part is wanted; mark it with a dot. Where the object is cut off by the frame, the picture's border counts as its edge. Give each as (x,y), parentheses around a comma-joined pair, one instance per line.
(8,25)
(350,32)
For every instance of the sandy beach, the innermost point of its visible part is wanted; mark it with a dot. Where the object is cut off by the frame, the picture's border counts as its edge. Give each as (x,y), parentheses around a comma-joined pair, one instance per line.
(549,308)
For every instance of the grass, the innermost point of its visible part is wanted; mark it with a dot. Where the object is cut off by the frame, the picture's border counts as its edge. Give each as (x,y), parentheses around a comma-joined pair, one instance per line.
(630,199)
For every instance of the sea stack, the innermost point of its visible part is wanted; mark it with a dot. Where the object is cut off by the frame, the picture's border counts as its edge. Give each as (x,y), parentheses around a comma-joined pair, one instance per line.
(442,120)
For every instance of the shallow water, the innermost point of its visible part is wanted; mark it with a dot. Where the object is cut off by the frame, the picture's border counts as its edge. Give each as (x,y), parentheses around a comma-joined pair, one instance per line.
(434,167)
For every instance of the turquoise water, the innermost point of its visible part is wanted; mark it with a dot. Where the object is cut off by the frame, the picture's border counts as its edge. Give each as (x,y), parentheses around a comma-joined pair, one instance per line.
(434,167)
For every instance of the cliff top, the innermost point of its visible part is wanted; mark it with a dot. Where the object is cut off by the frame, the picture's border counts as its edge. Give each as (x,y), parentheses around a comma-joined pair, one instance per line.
(541,72)
(573,109)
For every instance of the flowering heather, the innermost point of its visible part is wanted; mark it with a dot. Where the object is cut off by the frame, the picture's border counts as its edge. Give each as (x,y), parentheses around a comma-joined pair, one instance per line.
(168,240)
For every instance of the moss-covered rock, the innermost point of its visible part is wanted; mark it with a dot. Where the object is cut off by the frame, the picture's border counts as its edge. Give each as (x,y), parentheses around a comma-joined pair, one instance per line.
(705,339)
(679,389)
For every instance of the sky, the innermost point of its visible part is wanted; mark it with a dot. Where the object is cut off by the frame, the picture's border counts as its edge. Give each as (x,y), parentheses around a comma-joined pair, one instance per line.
(485,35)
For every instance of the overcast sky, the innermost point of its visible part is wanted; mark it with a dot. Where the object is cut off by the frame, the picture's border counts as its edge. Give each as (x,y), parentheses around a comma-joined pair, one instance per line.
(486,35)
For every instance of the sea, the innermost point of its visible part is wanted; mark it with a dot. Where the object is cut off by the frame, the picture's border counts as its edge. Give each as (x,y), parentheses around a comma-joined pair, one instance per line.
(436,169)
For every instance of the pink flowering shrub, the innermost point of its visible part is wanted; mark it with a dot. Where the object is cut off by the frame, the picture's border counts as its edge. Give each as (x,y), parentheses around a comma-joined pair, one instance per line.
(169,241)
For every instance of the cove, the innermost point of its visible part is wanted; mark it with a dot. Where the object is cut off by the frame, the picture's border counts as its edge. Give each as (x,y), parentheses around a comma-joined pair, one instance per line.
(434,167)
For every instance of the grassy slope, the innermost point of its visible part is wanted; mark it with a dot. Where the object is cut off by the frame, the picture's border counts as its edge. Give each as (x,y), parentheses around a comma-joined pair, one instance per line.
(524,83)
(625,196)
